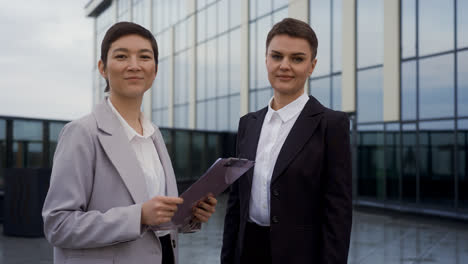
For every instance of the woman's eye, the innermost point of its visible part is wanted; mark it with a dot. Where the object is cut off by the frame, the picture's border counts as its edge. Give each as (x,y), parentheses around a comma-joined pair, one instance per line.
(298,59)
(120,56)
(275,57)
(145,57)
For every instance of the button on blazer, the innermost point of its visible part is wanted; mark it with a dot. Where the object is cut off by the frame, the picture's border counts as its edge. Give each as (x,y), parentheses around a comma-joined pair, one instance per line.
(92,212)
(311,194)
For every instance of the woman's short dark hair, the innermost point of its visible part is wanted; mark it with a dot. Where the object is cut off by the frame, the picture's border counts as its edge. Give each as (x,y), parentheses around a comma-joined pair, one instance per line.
(121,29)
(296,29)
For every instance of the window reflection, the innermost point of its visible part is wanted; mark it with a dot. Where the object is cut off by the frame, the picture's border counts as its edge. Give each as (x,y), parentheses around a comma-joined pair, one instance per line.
(370,32)
(2,151)
(436,156)
(392,161)
(408,90)
(320,89)
(409,162)
(320,22)
(371,162)
(370,95)
(436,87)
(462,83)
(435,37)
(54,131)
(408,28)
(27,144)
(462,23)
(462,140)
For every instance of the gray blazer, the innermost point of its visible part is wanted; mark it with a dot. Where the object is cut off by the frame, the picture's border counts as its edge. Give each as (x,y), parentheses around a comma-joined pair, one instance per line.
(93,208)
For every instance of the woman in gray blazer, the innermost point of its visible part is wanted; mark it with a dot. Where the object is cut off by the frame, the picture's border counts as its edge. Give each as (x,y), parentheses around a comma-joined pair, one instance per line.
(113,186)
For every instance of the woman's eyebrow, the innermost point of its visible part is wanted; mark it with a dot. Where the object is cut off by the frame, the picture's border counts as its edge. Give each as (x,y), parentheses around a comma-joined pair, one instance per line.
(120,50)
(146,50)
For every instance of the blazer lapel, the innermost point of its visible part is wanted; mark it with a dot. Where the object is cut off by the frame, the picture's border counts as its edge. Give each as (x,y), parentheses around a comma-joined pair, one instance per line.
(117,147)
(171,184)
(254,128)
(300,133)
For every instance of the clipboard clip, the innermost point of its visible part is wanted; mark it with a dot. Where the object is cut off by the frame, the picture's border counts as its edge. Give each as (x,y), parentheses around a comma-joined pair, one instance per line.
(233,161)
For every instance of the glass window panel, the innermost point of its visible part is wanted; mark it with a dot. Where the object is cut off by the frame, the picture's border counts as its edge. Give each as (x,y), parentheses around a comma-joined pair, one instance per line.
(408,28)
(211,21)
(201,4)
(157,16)
(235,13)
(462,23)
(370,15)
(174,11)
(201,71)
(2,152)
(263,27)
(280,15)
(409,162)
(222,114)
(371,179)
(408,90)
(54,132)
(253,101)
(234,112)
(198,153)
(336,89)
(190,31)
(27,144)
(234,60)
(223,65)
(181,116)
(280,3)
(263,7)
(182,9)
(462,142)
(223,15)
(181,79)
(211,69)
(182,155)
(320,89)
(2,129)
(436,87)
(211,115)
(263,97)
(252,56)
(337,35)
(320,22)
(252,9)
(201,115)
(181,36)
(370,95)
(165,118)
(201,25)
(392,161)
(436,157)
(462,96)
(139,13)
(435,37)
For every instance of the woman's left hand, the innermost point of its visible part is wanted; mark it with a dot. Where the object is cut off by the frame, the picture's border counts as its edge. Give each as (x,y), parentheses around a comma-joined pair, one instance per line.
(205,209)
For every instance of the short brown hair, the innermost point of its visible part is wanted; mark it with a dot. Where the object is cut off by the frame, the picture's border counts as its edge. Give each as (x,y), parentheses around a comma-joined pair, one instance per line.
(122,29)
(297,29)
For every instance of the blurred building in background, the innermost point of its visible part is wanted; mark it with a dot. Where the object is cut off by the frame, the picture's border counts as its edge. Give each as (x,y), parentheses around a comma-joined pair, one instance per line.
(399,68)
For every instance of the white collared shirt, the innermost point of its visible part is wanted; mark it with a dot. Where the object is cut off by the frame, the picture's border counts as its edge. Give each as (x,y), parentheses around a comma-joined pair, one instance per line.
(275,129)
(147,156)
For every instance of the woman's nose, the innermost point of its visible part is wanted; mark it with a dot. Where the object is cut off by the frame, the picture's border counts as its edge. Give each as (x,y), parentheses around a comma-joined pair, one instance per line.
(133,64)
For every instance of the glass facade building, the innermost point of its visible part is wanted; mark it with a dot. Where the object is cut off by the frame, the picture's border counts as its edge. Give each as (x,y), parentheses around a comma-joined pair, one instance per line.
(410,150)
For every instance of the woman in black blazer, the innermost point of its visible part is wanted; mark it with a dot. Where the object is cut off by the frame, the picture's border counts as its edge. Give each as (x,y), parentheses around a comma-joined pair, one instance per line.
(295,205)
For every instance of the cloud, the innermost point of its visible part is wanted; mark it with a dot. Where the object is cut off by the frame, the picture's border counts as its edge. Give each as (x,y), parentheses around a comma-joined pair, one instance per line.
(46,59)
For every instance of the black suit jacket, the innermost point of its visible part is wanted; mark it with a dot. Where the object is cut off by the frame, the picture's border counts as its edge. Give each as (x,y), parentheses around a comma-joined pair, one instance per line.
(310,205)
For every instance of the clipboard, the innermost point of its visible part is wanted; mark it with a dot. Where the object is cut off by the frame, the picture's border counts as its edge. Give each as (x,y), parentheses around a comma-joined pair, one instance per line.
(216,179)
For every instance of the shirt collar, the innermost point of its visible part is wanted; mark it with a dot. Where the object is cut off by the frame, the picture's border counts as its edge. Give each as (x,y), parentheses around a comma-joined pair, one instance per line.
(148,128)
(289,111)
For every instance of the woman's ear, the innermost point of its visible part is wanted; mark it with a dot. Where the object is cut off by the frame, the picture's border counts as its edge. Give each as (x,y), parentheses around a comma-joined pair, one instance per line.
(102,69)
(314,62)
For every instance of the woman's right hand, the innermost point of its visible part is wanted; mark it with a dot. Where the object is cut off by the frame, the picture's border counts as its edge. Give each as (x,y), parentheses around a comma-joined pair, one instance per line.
(159,210)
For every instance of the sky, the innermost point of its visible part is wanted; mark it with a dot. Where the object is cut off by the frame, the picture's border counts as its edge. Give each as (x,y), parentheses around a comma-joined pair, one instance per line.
(46,57)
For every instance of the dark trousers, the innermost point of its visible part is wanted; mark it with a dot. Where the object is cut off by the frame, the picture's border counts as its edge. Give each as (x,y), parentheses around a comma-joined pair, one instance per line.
(167,252)
(257,249)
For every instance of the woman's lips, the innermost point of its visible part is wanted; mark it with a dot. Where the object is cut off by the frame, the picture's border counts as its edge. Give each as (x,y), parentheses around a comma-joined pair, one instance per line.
(285,77)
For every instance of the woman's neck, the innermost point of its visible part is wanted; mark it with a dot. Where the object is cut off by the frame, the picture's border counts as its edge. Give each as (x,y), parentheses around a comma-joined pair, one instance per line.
(281,100)
(129,109)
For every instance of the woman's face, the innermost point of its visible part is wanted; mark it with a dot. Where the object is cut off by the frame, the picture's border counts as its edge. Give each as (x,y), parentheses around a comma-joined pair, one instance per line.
(130,67)
(289,63)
